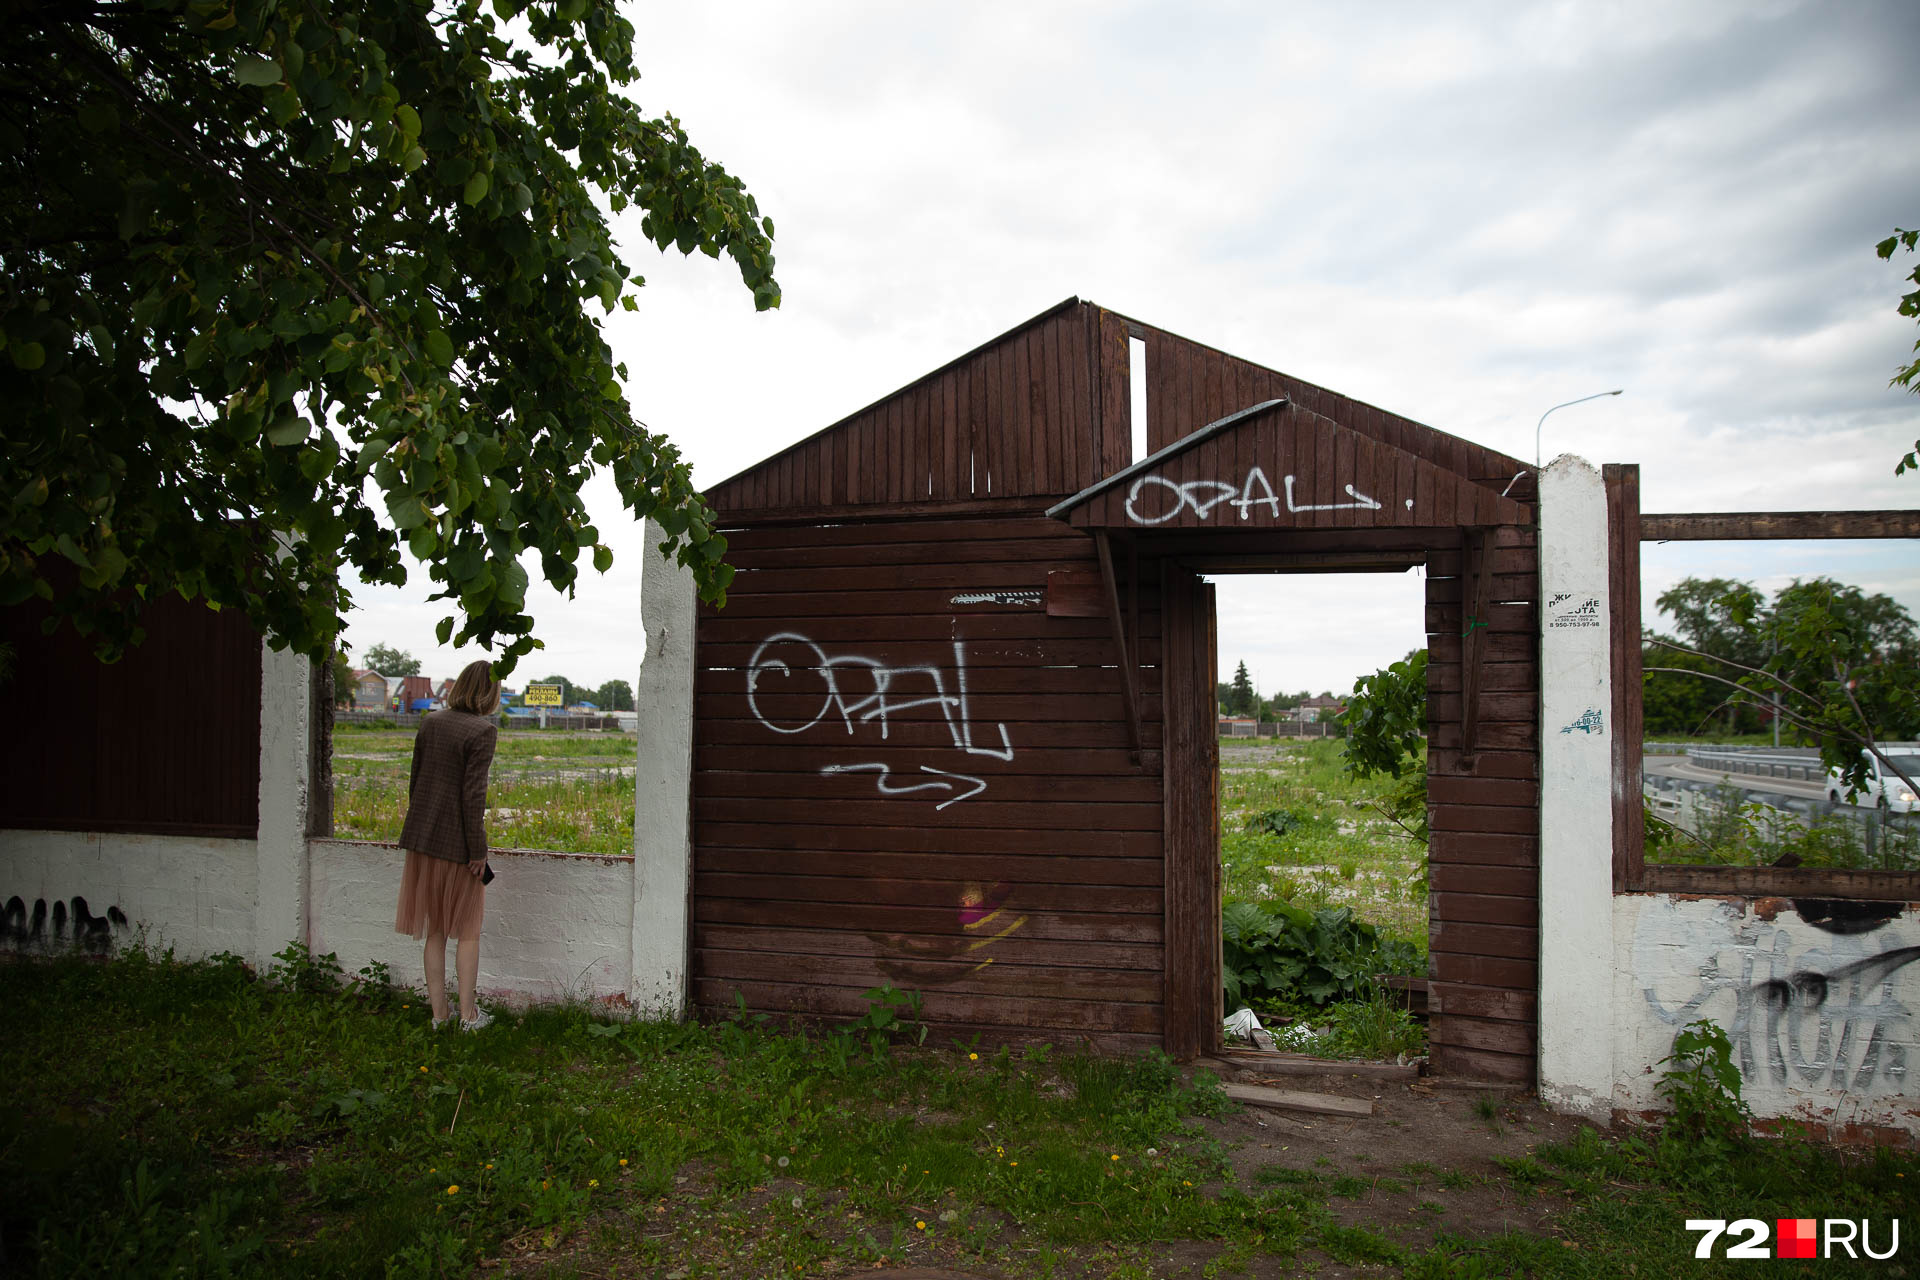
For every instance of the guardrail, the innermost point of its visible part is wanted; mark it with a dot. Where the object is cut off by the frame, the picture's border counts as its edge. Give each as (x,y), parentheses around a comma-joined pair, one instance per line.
(1801,763)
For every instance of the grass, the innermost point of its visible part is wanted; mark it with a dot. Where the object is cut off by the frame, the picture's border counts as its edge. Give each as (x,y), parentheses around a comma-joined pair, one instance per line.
(566,791)
(167,1118)
(1295,827)
(1729,829)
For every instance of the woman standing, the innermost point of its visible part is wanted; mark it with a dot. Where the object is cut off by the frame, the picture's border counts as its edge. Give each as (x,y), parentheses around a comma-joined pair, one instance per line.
(442,894)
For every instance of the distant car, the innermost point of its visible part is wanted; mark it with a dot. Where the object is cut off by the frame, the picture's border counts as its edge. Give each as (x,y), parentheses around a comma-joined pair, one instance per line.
(1883,788)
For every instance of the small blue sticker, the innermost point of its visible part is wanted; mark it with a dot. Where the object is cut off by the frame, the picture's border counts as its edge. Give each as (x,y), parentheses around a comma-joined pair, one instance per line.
(1590,721)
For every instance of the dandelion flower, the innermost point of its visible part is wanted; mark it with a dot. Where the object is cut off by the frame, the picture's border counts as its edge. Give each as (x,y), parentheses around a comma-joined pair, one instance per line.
(1014,1163)
(593,1182)
(623,1162)
(454,1190)
(973,1057)
(1185,1183)
(423,1068)
(1113,1157)
(490,1166)
(543,1184)
(796,1203)
(919,1226)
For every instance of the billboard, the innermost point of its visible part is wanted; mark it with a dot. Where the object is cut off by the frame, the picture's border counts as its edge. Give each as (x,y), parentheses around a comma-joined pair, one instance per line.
(543,695)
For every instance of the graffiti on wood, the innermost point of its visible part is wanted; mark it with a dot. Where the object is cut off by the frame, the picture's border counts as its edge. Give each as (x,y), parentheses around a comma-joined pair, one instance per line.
(855,690)
(1202,496)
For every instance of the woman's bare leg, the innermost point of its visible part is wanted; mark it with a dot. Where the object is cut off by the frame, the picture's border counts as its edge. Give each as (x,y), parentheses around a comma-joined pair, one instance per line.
(466,960)
(436,966)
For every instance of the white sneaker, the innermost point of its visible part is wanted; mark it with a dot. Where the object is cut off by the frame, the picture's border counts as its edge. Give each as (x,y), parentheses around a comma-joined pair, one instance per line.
(441,1024)
(478,1021)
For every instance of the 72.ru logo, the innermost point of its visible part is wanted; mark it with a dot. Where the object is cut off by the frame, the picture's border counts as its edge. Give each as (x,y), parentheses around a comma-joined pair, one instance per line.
(1799,1237)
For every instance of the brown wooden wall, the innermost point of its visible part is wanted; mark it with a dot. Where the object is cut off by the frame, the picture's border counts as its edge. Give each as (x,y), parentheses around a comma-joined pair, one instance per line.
(1483,917)
(1030,909)
(165,741)
(1190,385)
(1022,416)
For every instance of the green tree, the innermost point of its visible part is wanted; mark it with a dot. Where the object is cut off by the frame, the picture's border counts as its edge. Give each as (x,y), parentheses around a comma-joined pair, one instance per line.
(342,680)
(318,272)
(1240,693)
(1838,664)
(1386,724)
(1907,375)
(389,661)
(614,695)
(1704,614)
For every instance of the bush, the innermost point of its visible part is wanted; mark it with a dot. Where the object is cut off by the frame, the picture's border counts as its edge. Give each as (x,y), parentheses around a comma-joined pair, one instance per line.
(1277,951)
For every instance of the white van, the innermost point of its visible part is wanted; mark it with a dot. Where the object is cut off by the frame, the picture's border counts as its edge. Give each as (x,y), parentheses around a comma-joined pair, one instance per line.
(1883,787)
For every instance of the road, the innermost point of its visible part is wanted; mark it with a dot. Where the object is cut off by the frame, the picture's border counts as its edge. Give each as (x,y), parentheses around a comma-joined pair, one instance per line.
(1680,767)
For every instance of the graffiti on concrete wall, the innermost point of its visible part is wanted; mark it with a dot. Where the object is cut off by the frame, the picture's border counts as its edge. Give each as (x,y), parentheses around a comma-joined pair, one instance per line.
(1807,1006)
(68,924)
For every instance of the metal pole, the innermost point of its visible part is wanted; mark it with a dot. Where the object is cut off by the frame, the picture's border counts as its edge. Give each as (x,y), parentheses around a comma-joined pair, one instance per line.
(1543,418)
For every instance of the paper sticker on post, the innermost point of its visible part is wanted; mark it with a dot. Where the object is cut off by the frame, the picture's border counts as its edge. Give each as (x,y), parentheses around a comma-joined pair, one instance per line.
(1572,611)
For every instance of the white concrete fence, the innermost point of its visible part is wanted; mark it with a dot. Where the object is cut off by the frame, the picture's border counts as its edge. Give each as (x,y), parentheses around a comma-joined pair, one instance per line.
(1816,999)
(559,926)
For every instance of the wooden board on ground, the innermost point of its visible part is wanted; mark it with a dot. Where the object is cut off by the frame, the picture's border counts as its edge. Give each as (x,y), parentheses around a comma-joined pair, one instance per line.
(1319,1104)
(1299,1064)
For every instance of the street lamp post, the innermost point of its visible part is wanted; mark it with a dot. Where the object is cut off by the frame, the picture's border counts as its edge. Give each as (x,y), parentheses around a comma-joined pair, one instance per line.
(1543,419)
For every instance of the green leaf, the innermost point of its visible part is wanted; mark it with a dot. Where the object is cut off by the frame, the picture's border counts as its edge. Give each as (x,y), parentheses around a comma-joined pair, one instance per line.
(409,120)
(440,348)
(291,429)
(414,158)
(602,558)
(28,355)
(99,116)
(476,189)
(252,69)
(443,630)
(406,511)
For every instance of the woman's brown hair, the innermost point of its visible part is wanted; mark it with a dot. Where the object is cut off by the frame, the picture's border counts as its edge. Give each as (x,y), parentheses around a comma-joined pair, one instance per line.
(476,691)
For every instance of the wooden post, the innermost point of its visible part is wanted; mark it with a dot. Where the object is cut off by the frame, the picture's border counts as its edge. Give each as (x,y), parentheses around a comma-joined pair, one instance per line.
(1192,873)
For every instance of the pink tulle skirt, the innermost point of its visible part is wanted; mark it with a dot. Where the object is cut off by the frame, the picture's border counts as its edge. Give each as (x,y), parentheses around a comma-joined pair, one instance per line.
(439,897)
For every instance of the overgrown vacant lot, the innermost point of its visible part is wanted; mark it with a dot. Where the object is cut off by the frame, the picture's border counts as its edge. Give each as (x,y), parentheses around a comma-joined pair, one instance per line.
(1293,826)
(165,1119)
(571,792)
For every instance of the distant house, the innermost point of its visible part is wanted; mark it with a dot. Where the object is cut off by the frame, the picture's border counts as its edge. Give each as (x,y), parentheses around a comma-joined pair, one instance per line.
(369,690)
(441,692)
(1314,710)
(413,693)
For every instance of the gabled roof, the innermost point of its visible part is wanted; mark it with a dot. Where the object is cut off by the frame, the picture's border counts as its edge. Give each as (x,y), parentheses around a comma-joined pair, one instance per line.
(1276,465)
(1043,412)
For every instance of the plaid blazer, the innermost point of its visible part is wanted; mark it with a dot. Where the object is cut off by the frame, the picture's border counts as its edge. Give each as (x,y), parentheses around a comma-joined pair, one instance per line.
(447,796)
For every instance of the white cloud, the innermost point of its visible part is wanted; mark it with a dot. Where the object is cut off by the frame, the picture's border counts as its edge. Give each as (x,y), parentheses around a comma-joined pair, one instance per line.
(1462,213)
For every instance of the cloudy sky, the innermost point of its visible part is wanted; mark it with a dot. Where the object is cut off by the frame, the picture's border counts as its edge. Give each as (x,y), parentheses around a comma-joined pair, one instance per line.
(1464,213)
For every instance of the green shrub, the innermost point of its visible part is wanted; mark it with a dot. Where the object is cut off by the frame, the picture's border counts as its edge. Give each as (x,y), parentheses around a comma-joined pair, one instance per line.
(1274,950)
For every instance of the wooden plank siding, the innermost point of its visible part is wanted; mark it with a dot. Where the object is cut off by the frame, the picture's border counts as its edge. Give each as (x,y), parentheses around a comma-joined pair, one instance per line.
(1287,467)
(848,828)
(166,741)
(1190,385)
(1016,882)
(1017,418)
(1483,857)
